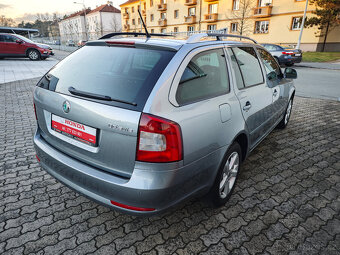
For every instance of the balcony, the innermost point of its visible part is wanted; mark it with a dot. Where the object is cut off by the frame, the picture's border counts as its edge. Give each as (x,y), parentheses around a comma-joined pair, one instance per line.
(161,7)
(144,12)
(190,2)
(162,22)
(263,12)
(211,17)
(126,27)
(125,15)
(210,0)
(190,19)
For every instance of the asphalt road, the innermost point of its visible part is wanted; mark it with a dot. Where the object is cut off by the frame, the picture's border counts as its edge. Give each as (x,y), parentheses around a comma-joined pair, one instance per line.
(318,83)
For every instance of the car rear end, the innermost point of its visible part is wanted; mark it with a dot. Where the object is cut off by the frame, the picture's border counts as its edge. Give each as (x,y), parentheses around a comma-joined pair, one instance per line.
(93,136)
(290,56)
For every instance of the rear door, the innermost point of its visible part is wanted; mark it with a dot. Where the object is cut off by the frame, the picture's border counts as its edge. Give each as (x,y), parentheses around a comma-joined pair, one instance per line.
(75,114)
(253,93)
(11,46)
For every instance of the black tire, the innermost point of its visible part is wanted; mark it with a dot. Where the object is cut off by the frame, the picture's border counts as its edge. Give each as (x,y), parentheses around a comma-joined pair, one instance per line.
(43,58)
(218,197)
(285,119)
(33,54)
(289,64)
(277,60)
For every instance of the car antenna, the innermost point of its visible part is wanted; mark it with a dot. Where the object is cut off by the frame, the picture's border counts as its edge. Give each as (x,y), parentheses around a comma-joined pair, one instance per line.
(146,30)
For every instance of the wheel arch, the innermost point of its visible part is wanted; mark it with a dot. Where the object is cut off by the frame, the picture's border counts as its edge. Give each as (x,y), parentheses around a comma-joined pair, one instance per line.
(243,141)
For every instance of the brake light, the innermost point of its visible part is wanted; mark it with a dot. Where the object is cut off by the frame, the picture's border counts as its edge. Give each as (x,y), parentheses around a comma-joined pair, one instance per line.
(287,53)
(123,43)
(159,140)
(133,208)
(35,111)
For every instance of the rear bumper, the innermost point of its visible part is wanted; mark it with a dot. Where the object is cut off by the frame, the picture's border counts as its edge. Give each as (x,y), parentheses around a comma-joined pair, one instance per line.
(287,59)
(147,188)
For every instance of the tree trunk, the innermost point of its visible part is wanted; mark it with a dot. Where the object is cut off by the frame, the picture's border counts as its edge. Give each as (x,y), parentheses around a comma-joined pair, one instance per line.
(324,41)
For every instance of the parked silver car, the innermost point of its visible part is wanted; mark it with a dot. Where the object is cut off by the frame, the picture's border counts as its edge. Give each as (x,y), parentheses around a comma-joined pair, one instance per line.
(140,125)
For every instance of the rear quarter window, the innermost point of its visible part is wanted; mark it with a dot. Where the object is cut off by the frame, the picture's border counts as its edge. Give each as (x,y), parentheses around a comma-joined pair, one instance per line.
(123,73)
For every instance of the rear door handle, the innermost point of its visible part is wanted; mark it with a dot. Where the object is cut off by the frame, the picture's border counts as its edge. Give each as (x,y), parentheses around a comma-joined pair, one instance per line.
(275,93)
(247,106)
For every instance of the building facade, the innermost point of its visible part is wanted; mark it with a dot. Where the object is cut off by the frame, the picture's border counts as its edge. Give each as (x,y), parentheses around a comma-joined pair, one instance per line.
(267,21)
(102,20)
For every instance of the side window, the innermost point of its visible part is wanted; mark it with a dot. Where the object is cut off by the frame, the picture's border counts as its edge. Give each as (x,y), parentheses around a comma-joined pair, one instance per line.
(238,75)
(2,38)
(205,76)
(9,38)
(249,65)
(269,62)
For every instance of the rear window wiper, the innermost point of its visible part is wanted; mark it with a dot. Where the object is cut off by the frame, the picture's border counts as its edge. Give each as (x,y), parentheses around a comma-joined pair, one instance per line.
(76,92)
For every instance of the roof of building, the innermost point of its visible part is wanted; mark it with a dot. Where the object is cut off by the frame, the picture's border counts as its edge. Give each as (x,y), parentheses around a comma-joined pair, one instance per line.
(78,13)
(105,8)
(129,2)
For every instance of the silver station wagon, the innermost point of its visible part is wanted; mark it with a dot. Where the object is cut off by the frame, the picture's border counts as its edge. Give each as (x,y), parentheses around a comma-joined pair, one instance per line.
(142,123)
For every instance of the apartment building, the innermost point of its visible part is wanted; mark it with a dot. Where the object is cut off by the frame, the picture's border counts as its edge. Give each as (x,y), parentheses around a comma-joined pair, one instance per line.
(267,21)
(102,20)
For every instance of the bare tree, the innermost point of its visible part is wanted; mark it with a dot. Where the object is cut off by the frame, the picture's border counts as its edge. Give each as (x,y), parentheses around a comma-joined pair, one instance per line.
(6,22)
(243,16)
(114,23)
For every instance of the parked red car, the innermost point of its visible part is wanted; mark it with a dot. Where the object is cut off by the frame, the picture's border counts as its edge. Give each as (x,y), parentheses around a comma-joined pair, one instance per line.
(13,45)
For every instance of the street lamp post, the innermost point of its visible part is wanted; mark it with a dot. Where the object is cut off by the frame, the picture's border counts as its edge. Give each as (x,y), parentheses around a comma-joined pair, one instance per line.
(83,3)
(302,25)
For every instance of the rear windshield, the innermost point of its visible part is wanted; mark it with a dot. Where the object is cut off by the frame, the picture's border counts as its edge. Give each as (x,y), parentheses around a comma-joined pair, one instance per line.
(122,73)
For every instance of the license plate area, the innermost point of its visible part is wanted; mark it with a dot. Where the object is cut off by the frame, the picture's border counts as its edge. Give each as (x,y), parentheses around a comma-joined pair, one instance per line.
(74,130)
(297,54)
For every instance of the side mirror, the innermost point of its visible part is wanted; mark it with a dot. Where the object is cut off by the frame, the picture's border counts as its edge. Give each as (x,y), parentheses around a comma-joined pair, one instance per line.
(290,73)
(19,41)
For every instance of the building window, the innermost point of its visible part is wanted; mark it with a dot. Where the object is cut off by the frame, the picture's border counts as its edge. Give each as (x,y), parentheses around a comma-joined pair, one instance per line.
(192,11)
(262,3)
(191,29)
(234,27)
(236,5)
(261,27)
(296,23)
(133,22)
(212,27)
(152,31)
(163,15)
(138,21)
(151,2)
(151,17)
(175,29)
(126,10)
(163,30)
(213,8)
(133,9)
(176,14)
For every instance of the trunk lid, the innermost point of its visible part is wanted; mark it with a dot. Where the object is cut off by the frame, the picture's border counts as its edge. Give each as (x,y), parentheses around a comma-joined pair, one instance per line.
(97,94)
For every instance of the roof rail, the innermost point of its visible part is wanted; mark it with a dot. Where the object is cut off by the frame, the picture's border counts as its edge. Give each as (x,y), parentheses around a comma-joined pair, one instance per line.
(128,33)
(197,37)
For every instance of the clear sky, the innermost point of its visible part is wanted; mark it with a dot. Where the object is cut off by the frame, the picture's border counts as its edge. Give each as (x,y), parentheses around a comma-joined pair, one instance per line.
(24,9)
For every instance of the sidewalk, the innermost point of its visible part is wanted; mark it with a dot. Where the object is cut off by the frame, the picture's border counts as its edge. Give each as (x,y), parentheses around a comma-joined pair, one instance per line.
(320,65)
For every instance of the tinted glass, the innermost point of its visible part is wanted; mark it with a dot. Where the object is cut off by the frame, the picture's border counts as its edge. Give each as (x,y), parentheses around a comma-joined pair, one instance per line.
(269,62)
(237,72)
(2,38)
(122,73)
(249,65)
(205,77)
(9,38)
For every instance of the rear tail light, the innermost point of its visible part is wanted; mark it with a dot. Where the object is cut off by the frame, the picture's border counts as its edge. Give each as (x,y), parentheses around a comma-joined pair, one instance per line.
(287,53)
(35,112)
(159,140)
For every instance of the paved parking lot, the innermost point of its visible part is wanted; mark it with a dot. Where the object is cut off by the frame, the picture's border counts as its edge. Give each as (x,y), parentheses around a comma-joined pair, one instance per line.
(286,201)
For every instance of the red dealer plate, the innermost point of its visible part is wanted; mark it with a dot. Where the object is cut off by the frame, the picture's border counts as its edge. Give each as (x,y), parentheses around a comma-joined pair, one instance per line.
(74,130)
